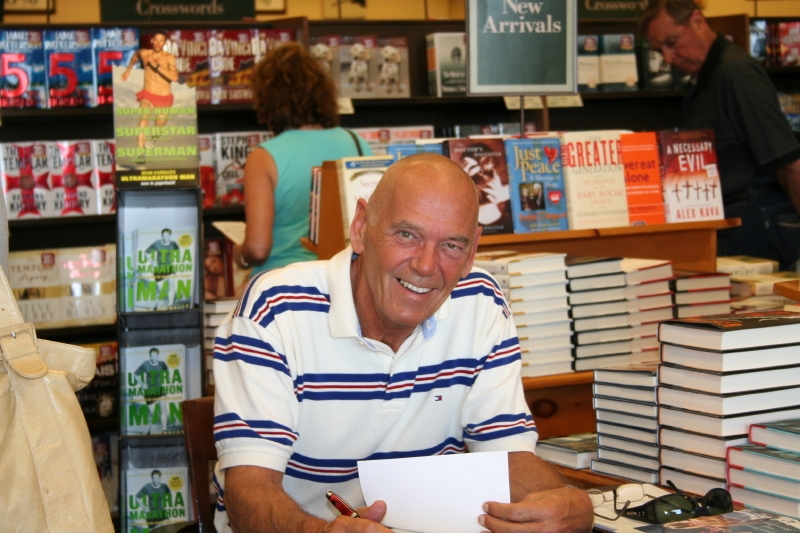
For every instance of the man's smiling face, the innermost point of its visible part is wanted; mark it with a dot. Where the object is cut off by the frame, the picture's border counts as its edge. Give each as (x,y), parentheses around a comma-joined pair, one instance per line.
(417,246)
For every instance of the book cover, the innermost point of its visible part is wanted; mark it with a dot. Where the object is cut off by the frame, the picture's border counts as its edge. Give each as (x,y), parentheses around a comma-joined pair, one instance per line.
(99,398)
(688,281)
(35,281)
(22,82)
(588,63)
(594,179)
(760,482)
(190,48)
(745,265)
(759,284)
(105,177)
(513,263)
(208,186)
(618,63)
(153,386)
(391,68)
(110,46)
(325,49)
(410,134)
(536,185)
(358,55)
(88,281)
(689,176)
(784,434)
(447,67)
(72,178)
(105,448)
(582,447)
(231,151)
(156,497)
(787,44)
(165,269)
(70,68)
(485,162)
(399,151)
(642,178)
(656,72)
(231,60)
(26,180)
(265,40)
(744,521)
(378,139)
(358,177)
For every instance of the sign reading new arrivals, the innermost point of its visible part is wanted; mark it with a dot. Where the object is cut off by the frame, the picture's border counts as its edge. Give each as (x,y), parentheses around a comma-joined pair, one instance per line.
(134,11)
(519,47)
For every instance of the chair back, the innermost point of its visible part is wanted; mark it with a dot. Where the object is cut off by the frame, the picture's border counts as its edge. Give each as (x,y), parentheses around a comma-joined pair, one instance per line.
(198,432)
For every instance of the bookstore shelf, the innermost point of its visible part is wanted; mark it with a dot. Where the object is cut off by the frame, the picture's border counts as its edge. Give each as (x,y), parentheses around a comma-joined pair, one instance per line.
(77,332)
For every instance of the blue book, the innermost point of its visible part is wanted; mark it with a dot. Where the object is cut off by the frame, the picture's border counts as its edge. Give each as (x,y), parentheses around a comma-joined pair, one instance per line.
(399,151)
(111,46)
(70,70)
(536,184)
(22,78)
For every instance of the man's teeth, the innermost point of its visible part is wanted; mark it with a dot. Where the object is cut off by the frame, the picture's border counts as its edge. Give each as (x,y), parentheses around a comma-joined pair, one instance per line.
(418,290)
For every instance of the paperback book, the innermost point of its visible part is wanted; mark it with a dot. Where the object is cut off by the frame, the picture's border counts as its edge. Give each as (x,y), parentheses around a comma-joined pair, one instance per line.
(165,269)
(231,151)
(358,177)
(642,178)
(588,63)
(156,497)
(744,521)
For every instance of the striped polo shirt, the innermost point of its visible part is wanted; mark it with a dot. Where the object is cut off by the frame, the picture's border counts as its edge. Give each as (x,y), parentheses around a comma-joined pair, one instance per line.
(300,391)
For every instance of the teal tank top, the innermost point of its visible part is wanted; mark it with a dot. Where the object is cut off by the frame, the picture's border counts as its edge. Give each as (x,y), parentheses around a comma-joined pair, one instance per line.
(295,152)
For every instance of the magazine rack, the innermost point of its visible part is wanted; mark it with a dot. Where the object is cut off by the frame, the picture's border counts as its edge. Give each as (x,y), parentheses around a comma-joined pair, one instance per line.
(561,404)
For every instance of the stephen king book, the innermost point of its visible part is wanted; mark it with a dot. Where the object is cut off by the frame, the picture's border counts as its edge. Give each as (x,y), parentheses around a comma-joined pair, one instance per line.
(536,183)
(485,162)
(231,151)
(22,79)
(26,180)
(689,176)
(110,46)
(231,60)
(70,68)
(642,178)
(71,177)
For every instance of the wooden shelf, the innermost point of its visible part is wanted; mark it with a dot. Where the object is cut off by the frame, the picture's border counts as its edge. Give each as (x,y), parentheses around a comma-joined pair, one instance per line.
(558,380)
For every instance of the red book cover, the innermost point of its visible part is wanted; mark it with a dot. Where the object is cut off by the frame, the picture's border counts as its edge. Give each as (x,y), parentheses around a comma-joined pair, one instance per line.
(71,170)
(190,48)
(26,183)
(788,44)
(642,178)
(231,60)
(689,175)
(485,162)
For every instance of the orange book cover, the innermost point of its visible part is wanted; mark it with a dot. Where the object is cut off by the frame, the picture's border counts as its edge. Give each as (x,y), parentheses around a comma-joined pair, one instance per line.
(642,178)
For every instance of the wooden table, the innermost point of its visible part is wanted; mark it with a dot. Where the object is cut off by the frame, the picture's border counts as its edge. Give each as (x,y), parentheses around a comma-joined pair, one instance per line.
(788,289)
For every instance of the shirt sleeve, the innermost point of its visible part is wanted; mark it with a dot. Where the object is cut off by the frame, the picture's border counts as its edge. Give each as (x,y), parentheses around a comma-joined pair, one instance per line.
(256,409)
(495,416)
(754,108)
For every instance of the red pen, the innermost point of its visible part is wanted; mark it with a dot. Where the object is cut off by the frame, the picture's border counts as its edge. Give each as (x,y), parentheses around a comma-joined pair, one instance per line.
(341,505)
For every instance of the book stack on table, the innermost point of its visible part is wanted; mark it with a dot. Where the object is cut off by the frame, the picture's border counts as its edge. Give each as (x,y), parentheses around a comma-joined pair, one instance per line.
(718,376)
(701,294)
(535,287)
(767,473)
(627,429)
(616,304)
(214,313)
(575,451)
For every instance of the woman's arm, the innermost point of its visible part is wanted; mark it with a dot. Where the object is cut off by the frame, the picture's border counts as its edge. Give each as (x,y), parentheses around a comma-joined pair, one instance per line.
(260,180)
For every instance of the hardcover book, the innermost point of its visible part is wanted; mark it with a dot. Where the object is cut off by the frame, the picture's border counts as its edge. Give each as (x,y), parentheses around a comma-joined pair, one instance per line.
(72,178)
(399,151)
(642,178)
(730,382)
(88,283)
(690,482)
(575,451)
(728,404)
(165,262)
(782,463)
(694,298)
(618,63)
(594,179)
(22,82)
(158,495)
(231,151)
(719,426)
(744,521)
(266,40)
(358,177)
(588,63)
(26,180)
(783,434)
(718,361)
(447,64)
(689,176)
(744,265)
(485,162)
(153,387)
(622,470)
(70,68)
(656,72)
(759,284)
(698,443)
(231,60)
(391,68)
(190,48)
(110,46)
(733,332)
(760,482)
(358,56)
(35,279)
(630,459)
(769,502)
(512,263)
(105,178)
(699,281)
(536,185)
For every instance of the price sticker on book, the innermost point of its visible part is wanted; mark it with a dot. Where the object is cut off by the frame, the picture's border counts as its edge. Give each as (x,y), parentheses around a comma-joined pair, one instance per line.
(531,102)
(345,106)
(571,100)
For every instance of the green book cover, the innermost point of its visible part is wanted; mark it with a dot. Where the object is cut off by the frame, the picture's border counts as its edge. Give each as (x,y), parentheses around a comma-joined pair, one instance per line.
(165,269)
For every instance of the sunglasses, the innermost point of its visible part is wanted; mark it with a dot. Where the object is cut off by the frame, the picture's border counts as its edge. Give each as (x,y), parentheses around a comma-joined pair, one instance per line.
(667,508)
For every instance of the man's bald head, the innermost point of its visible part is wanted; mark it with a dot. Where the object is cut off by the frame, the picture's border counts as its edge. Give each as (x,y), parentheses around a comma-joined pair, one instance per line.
(429,171)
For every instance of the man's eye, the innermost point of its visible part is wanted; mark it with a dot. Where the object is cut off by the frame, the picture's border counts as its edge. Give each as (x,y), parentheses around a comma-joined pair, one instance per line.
(452,246)
(405,234)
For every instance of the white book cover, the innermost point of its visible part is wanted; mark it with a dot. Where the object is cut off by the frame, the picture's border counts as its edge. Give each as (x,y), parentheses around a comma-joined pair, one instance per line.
(156,497)
(153,387)
(26,180)
(447,64)
(88,282)
(594,179)
(230,154)
(358,177)
(165,265)
(72,178)
(35,282)
(105,175)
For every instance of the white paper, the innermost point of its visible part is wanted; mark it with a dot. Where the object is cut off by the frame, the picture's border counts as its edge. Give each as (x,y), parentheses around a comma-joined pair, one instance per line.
(438,494)
(233,230)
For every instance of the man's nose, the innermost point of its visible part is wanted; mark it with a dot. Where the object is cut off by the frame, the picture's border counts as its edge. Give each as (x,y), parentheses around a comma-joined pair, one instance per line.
(669,55)
(424,262)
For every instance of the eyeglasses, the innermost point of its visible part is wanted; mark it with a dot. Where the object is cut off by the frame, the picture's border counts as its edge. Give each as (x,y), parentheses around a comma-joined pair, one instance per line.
(667,508)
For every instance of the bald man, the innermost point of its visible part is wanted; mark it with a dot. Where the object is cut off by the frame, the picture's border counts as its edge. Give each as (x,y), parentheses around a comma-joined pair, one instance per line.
(396,347)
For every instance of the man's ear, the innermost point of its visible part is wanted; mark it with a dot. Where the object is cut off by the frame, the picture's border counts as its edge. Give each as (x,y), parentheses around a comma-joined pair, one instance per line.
(473,251)
(358,227)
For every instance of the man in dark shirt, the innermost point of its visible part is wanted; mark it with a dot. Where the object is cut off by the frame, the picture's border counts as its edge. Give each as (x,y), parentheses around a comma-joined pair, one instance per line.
(759,156)
(150,375)
(155,498)
(161,254)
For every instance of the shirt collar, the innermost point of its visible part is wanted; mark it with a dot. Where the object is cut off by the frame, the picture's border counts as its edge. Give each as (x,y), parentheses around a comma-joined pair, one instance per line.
(343,318)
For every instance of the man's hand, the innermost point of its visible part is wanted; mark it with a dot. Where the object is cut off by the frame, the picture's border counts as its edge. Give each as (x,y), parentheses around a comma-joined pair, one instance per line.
(564,510)
(369,521)
(126,74)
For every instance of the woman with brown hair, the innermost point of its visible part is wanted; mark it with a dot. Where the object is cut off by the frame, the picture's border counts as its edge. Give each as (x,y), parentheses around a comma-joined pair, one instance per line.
(296,100)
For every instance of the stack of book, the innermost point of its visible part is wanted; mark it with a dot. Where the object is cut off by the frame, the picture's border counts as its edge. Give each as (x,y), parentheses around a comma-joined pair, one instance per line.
(719,375)
(767,473)
(615,305)
(574,451)
(701,294)
(535,287)
(627,430)
(214,314)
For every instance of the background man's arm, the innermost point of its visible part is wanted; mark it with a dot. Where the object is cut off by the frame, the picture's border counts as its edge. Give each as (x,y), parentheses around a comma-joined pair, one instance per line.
(789,178)
(256,503)
(542,501)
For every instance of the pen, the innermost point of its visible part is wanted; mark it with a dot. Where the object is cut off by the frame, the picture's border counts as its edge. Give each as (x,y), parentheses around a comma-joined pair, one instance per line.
(341,505)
